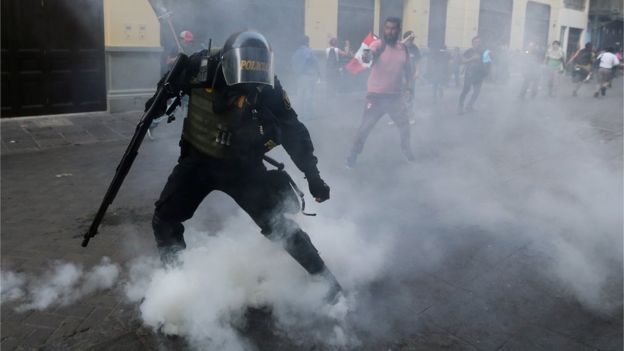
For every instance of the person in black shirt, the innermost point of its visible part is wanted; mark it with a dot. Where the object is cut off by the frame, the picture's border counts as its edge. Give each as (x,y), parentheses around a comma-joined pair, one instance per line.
(237,112)
(474,73)
(582,66)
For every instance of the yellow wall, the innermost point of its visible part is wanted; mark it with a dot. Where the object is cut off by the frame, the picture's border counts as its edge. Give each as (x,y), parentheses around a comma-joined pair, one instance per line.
(416,18)
(574,19)
(519,17)
(130,23)
(462,24)
(321,22)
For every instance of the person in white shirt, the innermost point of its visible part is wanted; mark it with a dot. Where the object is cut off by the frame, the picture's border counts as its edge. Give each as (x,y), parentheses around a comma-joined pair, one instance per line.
(607,60)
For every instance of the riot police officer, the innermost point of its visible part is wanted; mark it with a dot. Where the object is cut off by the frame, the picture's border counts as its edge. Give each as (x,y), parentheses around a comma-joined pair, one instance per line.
(237,112)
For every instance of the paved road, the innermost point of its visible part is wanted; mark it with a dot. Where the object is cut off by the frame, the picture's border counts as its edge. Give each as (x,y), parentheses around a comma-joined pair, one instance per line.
(492,221)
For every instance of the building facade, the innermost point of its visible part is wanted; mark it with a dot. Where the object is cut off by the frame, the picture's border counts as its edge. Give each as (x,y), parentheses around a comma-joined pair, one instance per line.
(70,56)
(510,23)
(66,56)
(606,23)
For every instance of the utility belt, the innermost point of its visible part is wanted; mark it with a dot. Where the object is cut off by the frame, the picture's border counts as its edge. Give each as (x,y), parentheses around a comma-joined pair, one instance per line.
(282,186)
(188,150)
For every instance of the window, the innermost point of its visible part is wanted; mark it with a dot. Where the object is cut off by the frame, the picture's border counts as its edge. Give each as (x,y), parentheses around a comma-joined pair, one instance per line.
(574,4)
(355,20)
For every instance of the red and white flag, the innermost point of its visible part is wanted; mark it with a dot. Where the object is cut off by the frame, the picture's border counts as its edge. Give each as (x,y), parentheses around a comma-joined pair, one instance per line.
(356,65)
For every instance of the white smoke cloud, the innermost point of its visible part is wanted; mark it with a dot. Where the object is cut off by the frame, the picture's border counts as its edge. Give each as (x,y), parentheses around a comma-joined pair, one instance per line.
(530,178)
(205,299)
(11,284)
(64,283)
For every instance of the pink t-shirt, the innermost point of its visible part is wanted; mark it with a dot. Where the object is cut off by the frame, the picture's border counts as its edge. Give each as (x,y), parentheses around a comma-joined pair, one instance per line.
(386,76)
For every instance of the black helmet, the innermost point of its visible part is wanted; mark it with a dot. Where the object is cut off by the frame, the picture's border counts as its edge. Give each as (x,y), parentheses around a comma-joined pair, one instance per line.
(247,58)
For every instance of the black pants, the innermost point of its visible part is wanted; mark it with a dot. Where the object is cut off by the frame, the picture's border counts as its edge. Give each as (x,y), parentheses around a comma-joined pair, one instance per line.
(250,185)
(378,105)
(471,81)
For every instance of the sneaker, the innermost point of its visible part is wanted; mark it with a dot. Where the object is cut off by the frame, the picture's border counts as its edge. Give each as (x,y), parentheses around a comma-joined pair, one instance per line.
(409,155)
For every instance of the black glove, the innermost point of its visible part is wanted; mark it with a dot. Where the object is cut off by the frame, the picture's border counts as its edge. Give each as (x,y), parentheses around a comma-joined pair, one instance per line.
(318,188)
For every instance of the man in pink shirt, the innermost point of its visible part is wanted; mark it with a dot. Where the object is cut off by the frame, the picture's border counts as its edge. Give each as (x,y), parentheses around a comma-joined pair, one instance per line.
(388,85)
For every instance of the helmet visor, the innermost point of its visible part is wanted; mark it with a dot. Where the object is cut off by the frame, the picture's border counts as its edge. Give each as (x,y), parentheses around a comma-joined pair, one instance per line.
(248,65)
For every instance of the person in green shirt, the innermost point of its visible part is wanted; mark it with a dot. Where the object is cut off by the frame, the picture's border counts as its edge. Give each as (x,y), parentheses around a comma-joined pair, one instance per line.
(554,62)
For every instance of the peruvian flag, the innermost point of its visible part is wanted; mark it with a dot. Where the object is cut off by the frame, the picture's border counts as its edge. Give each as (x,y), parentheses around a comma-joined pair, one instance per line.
(356,65)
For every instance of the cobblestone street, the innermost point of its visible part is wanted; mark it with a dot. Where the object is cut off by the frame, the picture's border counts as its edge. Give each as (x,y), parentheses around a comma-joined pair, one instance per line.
(489,291)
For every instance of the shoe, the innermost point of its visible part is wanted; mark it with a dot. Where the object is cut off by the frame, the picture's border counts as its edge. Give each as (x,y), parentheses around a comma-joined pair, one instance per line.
(596,94)
(409,155)
(603,91)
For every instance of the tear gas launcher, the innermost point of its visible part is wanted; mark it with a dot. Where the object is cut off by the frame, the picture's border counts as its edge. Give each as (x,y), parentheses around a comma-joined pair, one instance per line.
(169,88)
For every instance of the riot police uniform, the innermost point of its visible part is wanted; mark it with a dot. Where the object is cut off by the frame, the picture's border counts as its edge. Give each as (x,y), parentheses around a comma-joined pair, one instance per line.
(237,112)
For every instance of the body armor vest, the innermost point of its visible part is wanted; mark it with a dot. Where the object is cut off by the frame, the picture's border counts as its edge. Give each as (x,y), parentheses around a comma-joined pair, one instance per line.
(228,127)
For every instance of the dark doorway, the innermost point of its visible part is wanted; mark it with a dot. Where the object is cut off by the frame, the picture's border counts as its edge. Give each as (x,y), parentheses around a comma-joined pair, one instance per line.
(356,19)
(52,57)
(574,38)
(495,22)
(608,34)
(437,23)
(389,8)
(537,24)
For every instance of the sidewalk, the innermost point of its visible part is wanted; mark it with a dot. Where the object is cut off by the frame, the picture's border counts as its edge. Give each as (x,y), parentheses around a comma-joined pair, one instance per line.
(31,134)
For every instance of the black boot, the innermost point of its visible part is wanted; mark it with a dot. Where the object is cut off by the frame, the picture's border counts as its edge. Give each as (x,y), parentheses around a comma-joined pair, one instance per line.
(169,240)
